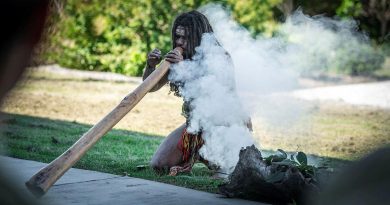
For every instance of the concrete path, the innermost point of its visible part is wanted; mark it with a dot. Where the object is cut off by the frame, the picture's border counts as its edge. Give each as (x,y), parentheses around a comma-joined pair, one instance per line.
(89,187)
(87,75)
(372,94)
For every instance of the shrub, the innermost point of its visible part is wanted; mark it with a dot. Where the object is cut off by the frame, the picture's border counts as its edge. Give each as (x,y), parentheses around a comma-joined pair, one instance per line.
(357,60)
(116,35)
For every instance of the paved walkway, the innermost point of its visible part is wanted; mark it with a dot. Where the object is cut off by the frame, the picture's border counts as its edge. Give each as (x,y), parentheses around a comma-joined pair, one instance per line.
(79,186)
(371,94)
(88,75)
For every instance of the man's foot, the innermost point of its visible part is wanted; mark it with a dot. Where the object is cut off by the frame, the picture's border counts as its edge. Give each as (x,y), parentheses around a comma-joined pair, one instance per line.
(175,170)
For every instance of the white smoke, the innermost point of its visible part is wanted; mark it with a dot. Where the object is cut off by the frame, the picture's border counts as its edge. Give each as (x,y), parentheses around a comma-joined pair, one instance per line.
(262,68)
(268,68)
(313,42)
(262,71)
(216,110)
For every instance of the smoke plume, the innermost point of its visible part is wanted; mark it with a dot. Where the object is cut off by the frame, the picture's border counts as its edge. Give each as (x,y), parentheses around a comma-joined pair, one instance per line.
(266,69)
(254,75)
(216,110)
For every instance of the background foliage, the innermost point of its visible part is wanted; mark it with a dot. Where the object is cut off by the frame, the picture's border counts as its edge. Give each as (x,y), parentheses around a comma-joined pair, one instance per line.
(115,35)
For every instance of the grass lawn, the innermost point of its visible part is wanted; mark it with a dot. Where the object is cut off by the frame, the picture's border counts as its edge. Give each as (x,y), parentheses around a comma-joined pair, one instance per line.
(46,113)
(118,152)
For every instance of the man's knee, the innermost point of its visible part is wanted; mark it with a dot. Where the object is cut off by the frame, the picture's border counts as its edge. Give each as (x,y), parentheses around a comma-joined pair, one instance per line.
(158,166)
(154,164)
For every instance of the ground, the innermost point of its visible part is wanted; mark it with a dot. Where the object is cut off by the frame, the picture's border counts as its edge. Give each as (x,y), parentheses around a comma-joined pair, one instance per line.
(47,112)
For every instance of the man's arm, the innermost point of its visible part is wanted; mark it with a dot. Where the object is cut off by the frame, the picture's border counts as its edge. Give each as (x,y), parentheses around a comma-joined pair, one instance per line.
(154,58)
(173,56)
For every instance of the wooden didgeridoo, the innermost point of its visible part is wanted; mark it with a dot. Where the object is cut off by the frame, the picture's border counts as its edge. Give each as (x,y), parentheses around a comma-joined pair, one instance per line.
(47,176)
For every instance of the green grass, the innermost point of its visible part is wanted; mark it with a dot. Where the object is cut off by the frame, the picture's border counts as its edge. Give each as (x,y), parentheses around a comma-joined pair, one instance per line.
(48,112)
(118,152)
(331,130)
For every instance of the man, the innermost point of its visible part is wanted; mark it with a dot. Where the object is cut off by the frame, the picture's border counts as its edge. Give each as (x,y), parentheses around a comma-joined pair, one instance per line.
(179,151)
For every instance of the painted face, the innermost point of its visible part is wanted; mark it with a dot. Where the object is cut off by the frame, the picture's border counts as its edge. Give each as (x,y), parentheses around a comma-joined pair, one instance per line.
(181,38)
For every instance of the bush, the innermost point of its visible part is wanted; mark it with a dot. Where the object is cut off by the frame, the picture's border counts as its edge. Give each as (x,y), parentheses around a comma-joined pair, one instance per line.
(385,48)
(116,35)
(96,35)
(357,60)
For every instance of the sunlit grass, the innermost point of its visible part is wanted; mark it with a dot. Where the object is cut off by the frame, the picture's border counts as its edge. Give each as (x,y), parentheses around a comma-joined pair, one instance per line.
(332,130)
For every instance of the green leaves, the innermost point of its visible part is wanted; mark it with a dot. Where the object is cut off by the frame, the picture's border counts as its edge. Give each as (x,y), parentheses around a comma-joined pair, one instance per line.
(116,35)
(284,154)
(281,157)
(257,16)
(350,8)
(84,33)
(301,158)
(298,160)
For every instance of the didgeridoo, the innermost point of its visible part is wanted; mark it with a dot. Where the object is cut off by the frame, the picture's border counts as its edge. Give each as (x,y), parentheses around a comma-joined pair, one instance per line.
(41,182)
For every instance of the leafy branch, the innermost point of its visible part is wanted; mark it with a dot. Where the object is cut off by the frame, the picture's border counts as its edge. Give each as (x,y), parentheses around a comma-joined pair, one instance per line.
(297,160)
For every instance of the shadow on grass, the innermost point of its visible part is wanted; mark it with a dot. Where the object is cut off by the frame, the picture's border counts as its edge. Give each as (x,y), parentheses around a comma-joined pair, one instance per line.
(44,139)
(118,152)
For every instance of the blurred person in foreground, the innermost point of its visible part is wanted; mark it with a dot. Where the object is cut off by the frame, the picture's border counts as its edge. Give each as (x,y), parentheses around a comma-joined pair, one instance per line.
(364,182)
(22,25)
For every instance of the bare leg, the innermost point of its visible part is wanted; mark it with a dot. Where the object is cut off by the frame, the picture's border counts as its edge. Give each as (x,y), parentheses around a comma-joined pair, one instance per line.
(167,154)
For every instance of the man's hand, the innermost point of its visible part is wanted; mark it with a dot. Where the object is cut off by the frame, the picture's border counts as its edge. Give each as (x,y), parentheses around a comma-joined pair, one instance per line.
(154,58)
(173,56)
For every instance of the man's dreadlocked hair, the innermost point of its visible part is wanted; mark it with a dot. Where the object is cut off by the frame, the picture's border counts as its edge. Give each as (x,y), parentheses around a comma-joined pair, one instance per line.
(195,25)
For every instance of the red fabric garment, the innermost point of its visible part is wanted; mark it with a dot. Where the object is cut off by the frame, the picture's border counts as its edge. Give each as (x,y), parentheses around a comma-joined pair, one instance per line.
(189,144)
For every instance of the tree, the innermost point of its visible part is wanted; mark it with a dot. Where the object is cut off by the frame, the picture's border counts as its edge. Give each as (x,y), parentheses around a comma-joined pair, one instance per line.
(287,7)
(257,16)
(379,9)
(374,15)
(312,7)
